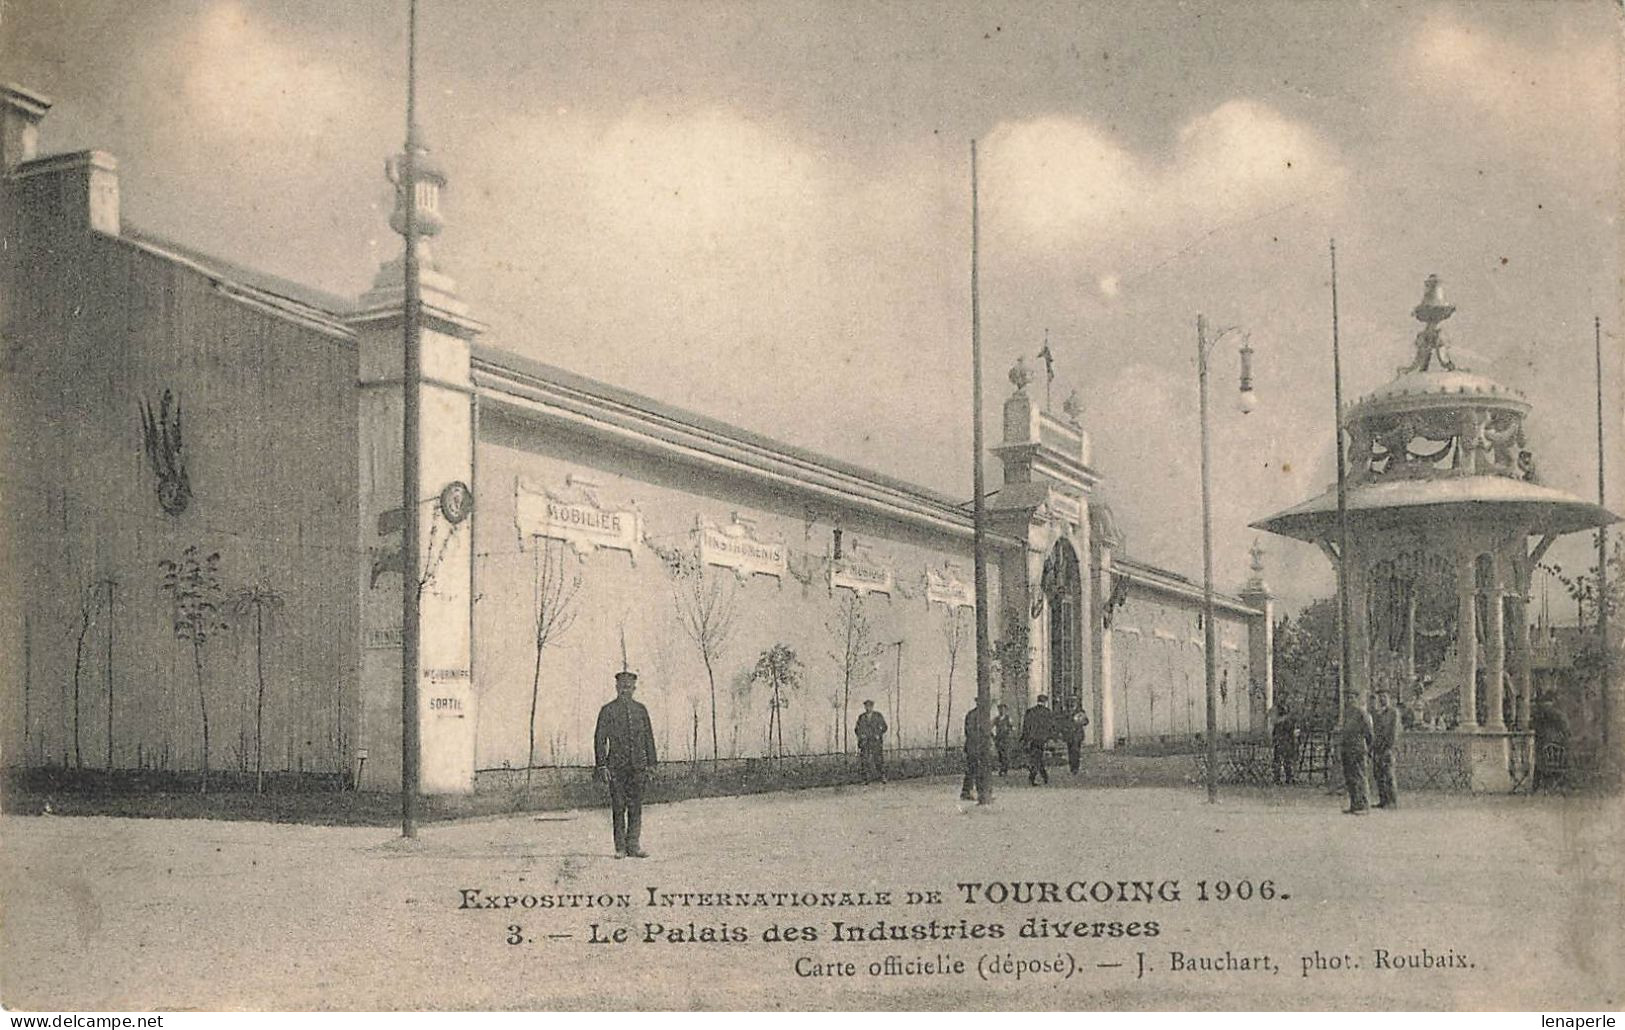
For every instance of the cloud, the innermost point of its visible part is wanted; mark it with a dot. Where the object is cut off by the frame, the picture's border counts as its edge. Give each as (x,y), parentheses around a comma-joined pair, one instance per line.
(1057,182)
(1556,104)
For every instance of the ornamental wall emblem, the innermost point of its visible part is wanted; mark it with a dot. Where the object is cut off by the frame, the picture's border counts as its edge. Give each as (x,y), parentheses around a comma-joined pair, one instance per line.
(161,435)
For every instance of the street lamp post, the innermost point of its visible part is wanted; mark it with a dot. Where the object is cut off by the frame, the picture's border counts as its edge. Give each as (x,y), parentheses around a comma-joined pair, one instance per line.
(1248,401)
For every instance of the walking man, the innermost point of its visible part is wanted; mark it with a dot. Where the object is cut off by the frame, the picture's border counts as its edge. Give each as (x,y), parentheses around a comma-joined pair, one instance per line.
(1073,732)
(1384,738)
(1353,740)
(871,734)
(1037,727)
(1284,741)
(976,752)
(1002,734)
(623,747)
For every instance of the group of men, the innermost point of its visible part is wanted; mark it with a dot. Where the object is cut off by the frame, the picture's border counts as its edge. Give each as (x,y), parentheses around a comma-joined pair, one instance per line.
(1038,727)
(1360,734)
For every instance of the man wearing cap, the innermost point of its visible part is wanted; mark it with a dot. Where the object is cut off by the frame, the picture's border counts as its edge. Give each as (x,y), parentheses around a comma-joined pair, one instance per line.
(1002,732)
(1353,740)
(1072,732)
(1037,727)
(871,734)
(976,752)
(623,747)
(1284,741)
(1384,738)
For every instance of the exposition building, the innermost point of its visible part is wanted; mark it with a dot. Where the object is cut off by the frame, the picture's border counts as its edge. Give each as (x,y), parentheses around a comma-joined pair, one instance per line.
(202,468)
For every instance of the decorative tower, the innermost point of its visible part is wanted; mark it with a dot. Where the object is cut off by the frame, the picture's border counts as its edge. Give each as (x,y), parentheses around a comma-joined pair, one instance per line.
(1443,504)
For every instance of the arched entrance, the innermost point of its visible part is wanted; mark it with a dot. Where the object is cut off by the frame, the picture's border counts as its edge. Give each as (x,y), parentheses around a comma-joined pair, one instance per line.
(1063,589)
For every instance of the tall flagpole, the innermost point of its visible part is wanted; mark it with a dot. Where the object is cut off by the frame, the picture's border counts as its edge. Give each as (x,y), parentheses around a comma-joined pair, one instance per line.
(984,656)
(410,472)
(1344,612)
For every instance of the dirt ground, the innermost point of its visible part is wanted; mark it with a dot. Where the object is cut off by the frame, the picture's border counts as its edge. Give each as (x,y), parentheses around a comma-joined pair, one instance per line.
(1450,902)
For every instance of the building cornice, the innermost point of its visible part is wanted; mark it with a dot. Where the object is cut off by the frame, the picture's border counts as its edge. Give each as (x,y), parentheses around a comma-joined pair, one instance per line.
(673,437)
(1166,582)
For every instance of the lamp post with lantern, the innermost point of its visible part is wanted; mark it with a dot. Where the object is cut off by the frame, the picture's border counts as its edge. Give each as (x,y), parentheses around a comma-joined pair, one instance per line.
(1247,402)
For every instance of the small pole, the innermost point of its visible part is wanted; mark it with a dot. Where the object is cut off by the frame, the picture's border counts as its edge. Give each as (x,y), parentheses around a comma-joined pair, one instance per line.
(1344,614)
(1209,638)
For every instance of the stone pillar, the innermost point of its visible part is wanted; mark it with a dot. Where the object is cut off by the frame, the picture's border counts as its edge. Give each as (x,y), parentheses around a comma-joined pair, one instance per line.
(445,559)
(1260,657)
(1496,646)
(1522,672)
(1466,641)
(1100,636)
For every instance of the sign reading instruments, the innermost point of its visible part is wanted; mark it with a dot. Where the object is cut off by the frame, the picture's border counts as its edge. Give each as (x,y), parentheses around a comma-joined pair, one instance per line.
(736,547)
(581,524)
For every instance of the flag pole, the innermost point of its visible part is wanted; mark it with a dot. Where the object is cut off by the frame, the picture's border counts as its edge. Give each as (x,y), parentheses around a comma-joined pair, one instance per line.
(411,776)
(1344,614)
(984,657)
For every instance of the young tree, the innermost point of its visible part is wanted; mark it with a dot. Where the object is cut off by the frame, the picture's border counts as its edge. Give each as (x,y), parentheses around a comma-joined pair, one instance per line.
(89,603)
(706,600)
(780,669)
(955,631)
(554,591)
(193,586)
(855,654)
(258,599)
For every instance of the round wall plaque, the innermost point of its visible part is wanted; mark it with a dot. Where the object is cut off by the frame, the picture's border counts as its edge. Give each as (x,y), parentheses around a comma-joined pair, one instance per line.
(456,501)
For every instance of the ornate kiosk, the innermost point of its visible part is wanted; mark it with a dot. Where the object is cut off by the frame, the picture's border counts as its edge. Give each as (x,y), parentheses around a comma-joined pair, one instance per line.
(1447,522)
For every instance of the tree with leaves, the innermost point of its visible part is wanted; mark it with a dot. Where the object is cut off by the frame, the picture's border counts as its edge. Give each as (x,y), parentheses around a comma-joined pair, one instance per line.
(193,586)
(781,670)
(554,589)
(706,600)
(1595,661)
(258,599)
(854,655)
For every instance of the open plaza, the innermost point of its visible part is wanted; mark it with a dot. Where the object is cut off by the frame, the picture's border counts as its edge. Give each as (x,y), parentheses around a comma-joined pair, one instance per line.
(1077,897)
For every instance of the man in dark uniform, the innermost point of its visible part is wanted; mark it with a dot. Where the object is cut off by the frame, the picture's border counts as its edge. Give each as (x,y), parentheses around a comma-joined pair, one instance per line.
(1551,738)
(1353,740)
(623,747)
(1384,738)
(1037,727)
(871,734)
(1284,741)
(1003,731)
(976,752)
(1072,732)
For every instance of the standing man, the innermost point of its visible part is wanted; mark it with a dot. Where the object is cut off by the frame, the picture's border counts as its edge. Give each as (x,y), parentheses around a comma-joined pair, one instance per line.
(1284,741)
(1002,732)
(871,734)
(623,747)
(1073,732)
(1384,738)
(1037,727)
(976,732)
(1353,739)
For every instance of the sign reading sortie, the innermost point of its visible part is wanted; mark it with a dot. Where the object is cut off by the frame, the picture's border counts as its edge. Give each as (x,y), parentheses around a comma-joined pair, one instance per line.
(581,524)
(942,586)
(735,547)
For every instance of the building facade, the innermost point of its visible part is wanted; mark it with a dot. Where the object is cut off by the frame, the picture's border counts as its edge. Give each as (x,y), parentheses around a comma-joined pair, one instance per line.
(206,463)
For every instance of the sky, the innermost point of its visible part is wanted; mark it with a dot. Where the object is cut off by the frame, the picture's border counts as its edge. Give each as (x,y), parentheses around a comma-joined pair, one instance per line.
(762,211)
